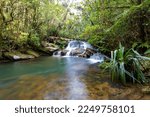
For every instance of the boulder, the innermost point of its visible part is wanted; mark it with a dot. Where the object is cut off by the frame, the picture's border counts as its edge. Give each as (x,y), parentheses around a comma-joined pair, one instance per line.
(47,44)
(87,53)
(48,48)
(17,56)
(77,51)
(45,51)
(51,49)
(33,53)
(61,52)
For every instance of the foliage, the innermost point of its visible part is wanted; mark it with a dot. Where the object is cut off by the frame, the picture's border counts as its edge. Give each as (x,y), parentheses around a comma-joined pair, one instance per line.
(126,65)
(124,29)
(90,31)
(34,40)
(122,21)
(25,23)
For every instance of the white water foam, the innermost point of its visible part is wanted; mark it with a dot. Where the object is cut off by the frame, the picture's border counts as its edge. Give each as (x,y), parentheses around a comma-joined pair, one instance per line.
(73,45)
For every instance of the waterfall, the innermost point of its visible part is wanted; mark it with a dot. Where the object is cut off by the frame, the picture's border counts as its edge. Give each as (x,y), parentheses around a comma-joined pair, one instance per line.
(74,45)
(81,49)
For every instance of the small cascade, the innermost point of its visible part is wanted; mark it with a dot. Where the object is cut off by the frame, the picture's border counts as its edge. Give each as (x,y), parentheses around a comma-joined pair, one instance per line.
(74,45)
(57,53)
(97,57)
(81,49)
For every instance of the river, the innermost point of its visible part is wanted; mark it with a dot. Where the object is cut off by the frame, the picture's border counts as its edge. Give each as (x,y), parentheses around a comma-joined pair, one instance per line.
(45,78)
(60,78)
(67,77)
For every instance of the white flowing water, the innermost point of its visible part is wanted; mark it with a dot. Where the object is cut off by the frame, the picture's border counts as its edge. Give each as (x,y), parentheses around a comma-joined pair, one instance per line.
(81,46)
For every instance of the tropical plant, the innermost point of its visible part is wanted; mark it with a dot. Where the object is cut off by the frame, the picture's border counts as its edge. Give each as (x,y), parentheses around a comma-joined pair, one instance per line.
(127,66)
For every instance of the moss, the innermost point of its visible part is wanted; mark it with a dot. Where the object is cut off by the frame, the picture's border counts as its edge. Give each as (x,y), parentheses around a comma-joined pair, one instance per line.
(15,55)
(33,53)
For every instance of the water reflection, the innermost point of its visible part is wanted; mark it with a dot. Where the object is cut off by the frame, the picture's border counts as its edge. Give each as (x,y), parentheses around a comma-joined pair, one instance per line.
(74,72)
(60,78)
(69,85)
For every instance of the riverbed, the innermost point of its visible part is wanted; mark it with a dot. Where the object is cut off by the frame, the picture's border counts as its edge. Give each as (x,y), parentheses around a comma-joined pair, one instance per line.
(61,78)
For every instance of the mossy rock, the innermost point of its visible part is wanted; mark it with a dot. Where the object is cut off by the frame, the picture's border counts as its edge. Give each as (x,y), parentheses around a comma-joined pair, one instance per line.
(47,44)
(33,53)
(17,56)
(45,51)
(53,45)
(146,89)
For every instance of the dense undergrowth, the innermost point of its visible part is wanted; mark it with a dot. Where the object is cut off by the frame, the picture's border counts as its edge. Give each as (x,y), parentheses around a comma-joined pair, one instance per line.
(132,29)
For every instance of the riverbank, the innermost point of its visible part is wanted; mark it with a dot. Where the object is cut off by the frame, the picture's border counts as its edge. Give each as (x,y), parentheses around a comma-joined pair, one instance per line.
(16,55)
(47,47)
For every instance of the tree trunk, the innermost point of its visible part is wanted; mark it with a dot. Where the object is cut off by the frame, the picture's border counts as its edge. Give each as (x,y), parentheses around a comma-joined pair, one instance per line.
(141,24)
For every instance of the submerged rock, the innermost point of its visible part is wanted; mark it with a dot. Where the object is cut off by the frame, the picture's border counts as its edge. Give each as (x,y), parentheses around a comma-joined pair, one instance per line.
(146,89)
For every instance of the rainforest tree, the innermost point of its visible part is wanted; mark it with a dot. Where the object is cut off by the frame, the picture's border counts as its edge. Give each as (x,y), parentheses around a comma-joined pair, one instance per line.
(109,22)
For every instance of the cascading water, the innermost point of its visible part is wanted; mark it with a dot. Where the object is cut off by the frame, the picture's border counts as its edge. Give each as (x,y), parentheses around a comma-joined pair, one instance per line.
(97,57)
(81,49)
(74,45)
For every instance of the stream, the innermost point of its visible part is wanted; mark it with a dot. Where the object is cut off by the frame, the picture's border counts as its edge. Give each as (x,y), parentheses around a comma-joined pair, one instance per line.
(61,78)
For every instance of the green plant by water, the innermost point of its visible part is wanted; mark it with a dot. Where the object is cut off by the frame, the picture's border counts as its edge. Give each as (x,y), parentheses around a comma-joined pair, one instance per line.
(126,66)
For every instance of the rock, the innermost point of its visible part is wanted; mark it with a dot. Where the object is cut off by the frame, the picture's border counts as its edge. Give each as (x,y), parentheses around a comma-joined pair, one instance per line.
(146,89)
(48,48)
(33,53)
(90,51)
(51,49)
(64,52)
(87,53)
(80,52)
(83,55)
(77,51)
(61,52)
(17,56)
(47,44)
(45,51)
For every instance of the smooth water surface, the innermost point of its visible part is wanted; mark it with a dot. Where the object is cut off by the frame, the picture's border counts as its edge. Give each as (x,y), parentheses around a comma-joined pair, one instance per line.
(54,78)
(45,78)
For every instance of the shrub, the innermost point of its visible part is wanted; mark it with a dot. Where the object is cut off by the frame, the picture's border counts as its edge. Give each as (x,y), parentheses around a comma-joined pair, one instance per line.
(52,31)
(126,66)
(34,40)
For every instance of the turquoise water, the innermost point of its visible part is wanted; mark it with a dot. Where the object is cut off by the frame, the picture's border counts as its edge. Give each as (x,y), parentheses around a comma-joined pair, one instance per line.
(41,66)
(57,78)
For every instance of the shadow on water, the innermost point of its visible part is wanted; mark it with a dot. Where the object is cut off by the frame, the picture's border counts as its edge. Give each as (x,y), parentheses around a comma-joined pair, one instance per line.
(60,78)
